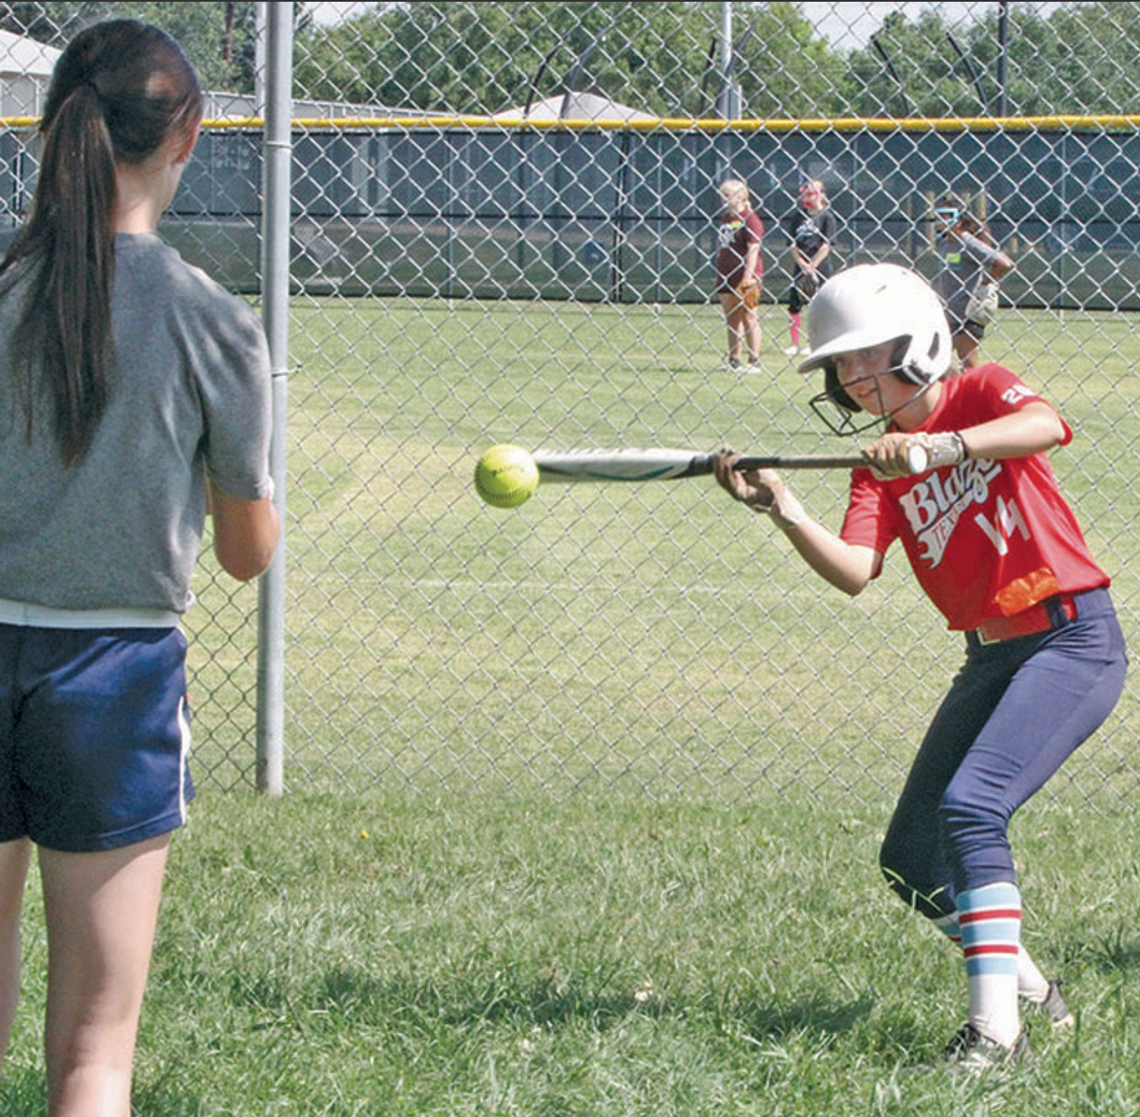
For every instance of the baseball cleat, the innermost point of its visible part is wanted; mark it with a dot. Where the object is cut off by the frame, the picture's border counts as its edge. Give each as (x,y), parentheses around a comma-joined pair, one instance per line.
(971,1051)
(791,351)
(1054,1006)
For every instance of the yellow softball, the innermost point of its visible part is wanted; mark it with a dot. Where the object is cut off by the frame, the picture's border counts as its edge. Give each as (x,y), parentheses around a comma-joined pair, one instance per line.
(506,476)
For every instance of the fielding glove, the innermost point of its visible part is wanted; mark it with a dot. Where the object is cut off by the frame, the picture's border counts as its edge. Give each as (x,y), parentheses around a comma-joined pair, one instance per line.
(983,302)
(749,295)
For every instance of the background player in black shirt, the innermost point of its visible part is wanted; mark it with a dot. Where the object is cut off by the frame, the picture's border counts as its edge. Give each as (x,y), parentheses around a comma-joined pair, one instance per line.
(812,232)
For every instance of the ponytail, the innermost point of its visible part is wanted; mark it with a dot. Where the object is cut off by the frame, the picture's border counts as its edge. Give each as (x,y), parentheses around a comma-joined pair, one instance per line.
(119,91)
(64,332)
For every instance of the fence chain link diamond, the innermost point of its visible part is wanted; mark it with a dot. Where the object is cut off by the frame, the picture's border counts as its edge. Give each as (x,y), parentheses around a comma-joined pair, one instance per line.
(503,229)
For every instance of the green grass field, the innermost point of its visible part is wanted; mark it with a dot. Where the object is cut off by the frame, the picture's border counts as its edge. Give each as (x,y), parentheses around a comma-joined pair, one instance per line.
(585,799)
(483,956)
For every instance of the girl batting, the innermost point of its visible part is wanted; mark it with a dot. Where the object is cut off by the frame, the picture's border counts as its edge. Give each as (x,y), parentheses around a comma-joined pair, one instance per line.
(998,550)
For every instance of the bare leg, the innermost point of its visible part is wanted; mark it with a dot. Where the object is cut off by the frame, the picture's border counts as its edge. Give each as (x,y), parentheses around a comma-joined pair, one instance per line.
(751,329)
(14,860)
(101,913)
(732,306)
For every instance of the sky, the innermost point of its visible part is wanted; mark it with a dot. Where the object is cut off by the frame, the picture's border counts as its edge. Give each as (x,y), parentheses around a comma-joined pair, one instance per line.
(846,25)
(851,24)
(337,12)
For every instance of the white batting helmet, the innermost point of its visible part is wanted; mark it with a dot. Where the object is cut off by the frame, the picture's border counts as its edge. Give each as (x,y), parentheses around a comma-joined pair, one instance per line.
(873,303)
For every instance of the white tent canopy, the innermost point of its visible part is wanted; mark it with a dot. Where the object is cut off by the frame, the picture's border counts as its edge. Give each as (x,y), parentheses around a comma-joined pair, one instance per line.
(25,57)
(25,69)
(576,106)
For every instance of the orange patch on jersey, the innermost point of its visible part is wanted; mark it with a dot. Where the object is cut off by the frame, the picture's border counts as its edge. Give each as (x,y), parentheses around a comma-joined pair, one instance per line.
(1022,593)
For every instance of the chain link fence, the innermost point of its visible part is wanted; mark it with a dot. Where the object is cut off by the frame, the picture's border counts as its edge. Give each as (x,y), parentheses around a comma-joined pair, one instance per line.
(502,230)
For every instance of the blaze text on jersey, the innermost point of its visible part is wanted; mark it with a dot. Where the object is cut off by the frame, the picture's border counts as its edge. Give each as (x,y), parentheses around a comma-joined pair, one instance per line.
(935,504)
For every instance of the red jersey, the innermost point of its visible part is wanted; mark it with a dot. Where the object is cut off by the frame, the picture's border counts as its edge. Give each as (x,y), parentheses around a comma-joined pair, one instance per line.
(735,235)
(985,538)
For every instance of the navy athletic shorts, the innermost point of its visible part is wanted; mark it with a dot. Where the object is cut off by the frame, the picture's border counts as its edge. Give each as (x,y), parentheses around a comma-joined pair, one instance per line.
(94,735)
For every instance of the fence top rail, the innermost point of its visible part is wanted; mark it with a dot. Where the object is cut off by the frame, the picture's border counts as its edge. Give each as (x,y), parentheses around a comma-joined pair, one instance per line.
(1071,123)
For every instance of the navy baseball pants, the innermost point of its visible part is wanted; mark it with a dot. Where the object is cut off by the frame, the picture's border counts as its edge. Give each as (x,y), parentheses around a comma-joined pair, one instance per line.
(1013,715)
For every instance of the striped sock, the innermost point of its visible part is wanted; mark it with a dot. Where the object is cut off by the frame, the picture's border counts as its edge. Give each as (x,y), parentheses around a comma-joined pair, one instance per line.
(990,923)
(948,925)
(1031,982)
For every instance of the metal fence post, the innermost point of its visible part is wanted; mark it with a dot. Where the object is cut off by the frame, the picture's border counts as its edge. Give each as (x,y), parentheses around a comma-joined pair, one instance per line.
(277,21)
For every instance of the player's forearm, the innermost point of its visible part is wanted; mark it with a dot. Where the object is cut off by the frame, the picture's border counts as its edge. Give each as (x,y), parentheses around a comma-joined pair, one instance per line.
(1032,430)
(1000,266)
(846,567)
(245,533)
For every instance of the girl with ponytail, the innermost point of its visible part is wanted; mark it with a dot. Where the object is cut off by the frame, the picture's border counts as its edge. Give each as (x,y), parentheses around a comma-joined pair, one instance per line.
(134,400)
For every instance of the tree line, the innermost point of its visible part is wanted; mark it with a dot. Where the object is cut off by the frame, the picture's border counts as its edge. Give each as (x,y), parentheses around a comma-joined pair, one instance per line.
(463,57)
(219,38)
(663,58)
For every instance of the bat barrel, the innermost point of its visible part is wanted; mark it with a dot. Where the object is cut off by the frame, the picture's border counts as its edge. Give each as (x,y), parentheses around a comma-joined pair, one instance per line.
(620,465)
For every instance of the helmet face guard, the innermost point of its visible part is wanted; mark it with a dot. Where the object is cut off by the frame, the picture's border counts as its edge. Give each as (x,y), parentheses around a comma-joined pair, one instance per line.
(835,408)
(840,419)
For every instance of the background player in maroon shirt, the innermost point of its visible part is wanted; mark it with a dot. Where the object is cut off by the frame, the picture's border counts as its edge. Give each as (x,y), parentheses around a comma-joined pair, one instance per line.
(999,552)
(740,272)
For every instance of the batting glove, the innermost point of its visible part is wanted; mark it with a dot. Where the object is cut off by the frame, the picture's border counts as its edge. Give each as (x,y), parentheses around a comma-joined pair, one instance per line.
(982,305)
(906,455)
(947,448)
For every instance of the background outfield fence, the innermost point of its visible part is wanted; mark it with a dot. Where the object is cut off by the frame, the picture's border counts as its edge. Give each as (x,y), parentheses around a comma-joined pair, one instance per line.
(501,229)
(491,210)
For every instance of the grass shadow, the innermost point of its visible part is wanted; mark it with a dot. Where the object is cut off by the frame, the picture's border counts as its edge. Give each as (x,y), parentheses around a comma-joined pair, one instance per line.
(542,1001)
(1105,953)
(815,1016)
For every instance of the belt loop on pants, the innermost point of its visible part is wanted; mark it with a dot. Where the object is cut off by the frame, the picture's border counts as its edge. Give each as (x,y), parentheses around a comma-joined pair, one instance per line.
(1054,612)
